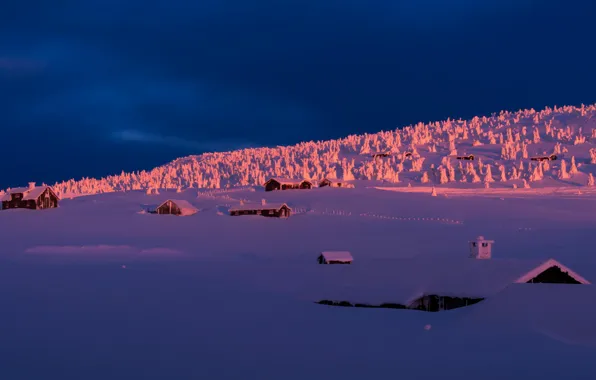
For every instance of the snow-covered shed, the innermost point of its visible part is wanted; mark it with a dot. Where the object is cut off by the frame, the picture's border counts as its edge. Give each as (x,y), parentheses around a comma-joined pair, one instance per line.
(32,197)
(335,257)
(178,207)
(380,154)
(287,184)
(278,210)
(334,183)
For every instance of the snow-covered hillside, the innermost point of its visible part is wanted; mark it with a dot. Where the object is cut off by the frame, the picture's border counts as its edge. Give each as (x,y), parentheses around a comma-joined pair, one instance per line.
(98,289)
(502,144)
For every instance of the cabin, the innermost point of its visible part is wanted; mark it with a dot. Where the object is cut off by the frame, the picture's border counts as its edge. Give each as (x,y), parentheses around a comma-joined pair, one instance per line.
(335,257)
(552,157)
(32,198)
(270,210)
(435,283)
(334,183)
(469,157)
(287,184)
(381,155)
(178,207)
(489,277)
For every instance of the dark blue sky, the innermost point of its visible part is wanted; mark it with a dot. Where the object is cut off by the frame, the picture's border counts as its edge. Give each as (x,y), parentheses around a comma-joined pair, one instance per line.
(89,88)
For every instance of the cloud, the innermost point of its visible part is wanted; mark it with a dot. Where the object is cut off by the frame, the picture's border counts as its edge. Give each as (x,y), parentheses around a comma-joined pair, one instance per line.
(178,142)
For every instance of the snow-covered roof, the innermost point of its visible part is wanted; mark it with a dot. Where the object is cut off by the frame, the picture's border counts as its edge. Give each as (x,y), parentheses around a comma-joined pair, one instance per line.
(544,308)
(185,207)
(28,193)
(288,181)
(258,206)
(404,280)
(337,256)
(547,264)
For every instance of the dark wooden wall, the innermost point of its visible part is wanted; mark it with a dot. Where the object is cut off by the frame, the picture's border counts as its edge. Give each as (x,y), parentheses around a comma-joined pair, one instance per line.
(165,209)
(47,199)
(272,185)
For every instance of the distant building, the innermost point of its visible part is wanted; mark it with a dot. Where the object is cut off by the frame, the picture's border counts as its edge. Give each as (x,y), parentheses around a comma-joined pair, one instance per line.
(381,155)
(481,248)
(334,183)
(287,184)
(32,197)
(335,257)
(271,210)
(469,157)
(552,157)
(177,207)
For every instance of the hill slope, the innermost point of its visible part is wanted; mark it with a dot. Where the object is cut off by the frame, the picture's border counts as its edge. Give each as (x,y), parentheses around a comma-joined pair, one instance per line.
(502,144)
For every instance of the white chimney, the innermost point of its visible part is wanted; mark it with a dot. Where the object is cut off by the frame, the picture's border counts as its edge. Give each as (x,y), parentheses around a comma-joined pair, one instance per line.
(31,185)
(481,248)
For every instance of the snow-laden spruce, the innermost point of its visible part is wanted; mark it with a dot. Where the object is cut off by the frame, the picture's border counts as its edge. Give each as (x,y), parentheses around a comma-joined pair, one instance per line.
(413,149)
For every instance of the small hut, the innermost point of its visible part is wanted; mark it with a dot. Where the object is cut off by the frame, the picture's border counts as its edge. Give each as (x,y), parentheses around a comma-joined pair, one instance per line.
(271,210)
(552,157)
(381,154)
(335,257)
(177,207)
(334,183)
(468,157)
(287,184)
(32,198)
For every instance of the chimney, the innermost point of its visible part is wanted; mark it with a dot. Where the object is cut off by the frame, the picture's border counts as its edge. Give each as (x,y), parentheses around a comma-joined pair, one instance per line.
(31,185)
(263,202)
(481,248)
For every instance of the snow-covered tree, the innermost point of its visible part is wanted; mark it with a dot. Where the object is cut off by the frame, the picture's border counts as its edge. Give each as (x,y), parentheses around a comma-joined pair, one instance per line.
(590,180)
(443,179)
(514,173)
(503,174)
(563,170)
(593,155)
(526,184)
(488,177)
(573,170)
(536,136)
(536,174)
(424,178)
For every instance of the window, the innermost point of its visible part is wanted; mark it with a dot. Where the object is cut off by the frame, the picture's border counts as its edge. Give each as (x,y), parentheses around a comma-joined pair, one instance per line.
(473,244)
(485,244)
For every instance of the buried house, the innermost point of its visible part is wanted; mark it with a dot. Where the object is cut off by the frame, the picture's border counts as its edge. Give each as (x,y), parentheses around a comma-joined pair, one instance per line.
(432,283)
(177,207)
(287,184)
(280,210)
(32,197)
(485,278)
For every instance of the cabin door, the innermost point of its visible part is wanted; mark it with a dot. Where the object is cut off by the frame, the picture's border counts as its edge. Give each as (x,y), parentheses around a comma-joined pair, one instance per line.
(46,200)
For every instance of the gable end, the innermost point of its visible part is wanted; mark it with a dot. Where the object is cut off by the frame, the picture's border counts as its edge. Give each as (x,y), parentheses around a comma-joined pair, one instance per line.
(554,275)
